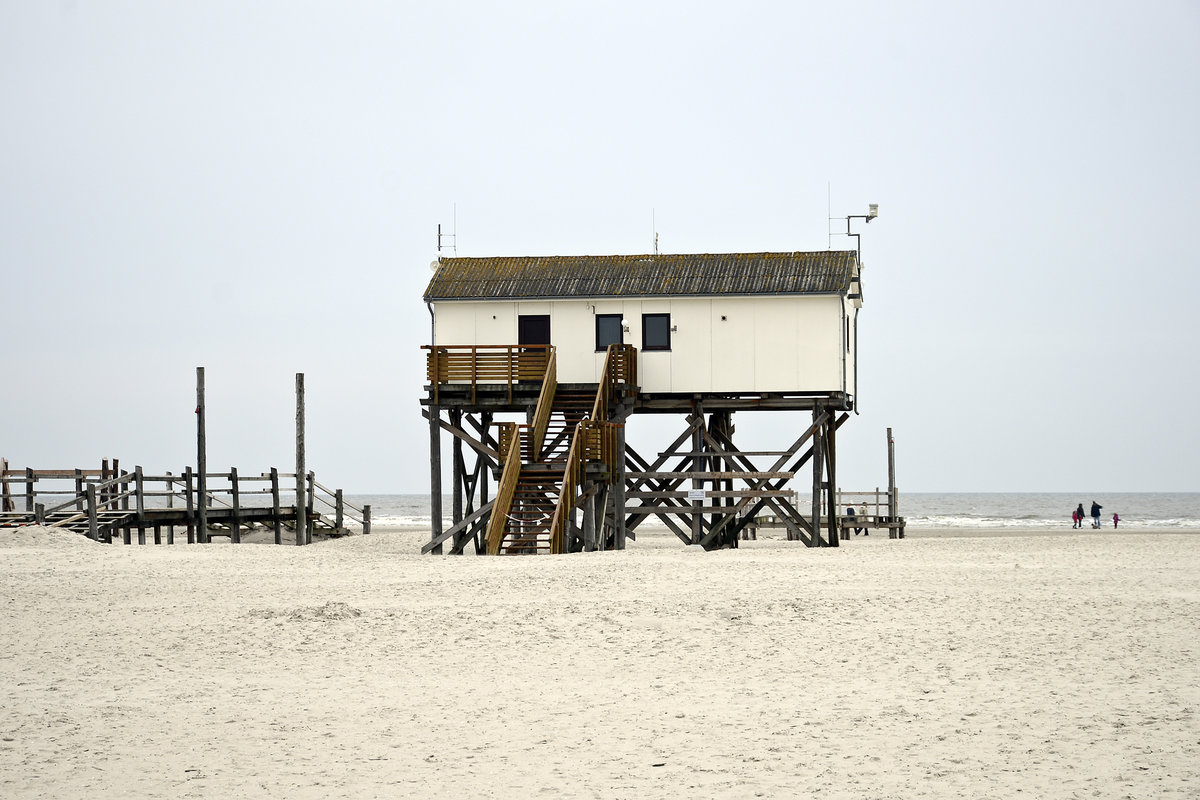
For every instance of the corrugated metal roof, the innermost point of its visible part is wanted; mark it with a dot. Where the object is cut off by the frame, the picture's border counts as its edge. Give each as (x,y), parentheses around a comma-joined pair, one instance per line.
(514,277)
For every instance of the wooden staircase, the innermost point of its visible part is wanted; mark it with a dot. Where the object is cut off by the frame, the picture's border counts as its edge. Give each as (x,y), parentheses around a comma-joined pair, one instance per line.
(529,529)
(543,463)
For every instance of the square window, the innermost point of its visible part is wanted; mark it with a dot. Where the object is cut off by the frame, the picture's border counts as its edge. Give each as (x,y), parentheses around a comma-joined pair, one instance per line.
(608,331)
(656,331)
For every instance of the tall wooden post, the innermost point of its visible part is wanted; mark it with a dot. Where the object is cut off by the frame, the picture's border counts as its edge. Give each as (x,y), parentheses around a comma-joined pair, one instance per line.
(235,527)
(188,504)
(818,450)
(140,489)
(301,511)
(830,486)
(435,475)
(892,530)
(275,506)
(698,464)
(29,491)
(458,467)
(201,463)
(6,503)
(618,490)
(93,520)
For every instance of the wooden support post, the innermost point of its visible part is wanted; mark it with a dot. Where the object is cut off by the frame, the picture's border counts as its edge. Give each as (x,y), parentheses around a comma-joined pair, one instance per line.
(817,467)
(698,462)
(235,526)
(301,516)
(201,463)
(831,474)
(104,476)
(366,519)
(309,506)
(78,489)
(39,513)
(589,523)
(893,531)
(29,479)
(6,503)
(170,484)
(337,510)
(618,490)
(93,521)
(188,504)
(278,522)
(139,488)
(435,476)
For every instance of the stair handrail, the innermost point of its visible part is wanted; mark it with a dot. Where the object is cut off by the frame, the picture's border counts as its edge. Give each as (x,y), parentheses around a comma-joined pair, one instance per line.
(541,414)
(620,367)
(566,494)
(510,448)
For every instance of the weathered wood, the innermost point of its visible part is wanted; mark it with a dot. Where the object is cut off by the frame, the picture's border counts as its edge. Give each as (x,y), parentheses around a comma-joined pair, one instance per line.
(366,517)
(278,520)
(235,529)
(684,475)
(301,517)
(435,481)
(93,522)
(29,481)
(140,488)
(201,463)
(188,478)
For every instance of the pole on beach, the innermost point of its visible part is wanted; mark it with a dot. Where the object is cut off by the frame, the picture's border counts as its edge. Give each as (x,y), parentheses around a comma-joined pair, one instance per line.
(301,494)
(892,530)
(435,475)
(201,463)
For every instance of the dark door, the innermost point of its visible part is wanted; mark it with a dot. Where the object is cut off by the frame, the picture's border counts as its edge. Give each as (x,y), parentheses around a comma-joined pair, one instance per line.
(533,329)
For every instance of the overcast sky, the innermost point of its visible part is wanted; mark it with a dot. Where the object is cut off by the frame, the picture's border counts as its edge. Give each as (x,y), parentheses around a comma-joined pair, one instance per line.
(255,187)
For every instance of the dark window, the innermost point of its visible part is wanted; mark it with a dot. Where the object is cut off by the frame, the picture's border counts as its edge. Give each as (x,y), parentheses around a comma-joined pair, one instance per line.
(656,331)
(608,331)
(533,329)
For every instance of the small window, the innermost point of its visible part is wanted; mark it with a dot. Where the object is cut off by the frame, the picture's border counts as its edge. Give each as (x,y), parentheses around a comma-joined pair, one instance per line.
(608,331)
(656,331)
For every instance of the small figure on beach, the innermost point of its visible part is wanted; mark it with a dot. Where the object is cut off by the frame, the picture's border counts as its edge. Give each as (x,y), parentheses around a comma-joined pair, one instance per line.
(850,516)
(1074,518)
(1079,516)
(1116,519)
(1096,514)
(862,513)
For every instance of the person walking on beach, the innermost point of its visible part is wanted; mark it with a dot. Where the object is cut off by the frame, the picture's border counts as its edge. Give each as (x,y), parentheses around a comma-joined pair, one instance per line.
(1116,519)
(1096,514)
(1074,518)
(1079,516)
(850,516)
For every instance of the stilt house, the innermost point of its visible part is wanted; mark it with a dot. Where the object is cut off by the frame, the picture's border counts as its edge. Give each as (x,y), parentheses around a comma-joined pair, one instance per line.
(535,364)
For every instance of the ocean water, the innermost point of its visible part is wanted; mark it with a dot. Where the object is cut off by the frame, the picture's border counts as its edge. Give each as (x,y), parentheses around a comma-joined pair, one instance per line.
(986,510)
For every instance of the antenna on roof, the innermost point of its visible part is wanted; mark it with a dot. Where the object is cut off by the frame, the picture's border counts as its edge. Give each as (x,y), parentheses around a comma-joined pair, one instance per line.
(453,236)
(654,226)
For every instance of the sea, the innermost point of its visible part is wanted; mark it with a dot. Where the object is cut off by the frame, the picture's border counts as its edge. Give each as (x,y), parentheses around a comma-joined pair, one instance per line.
(982,510)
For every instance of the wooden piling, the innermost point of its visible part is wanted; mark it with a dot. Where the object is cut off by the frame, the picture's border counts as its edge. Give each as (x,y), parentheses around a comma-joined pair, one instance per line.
(93,521)
(310,504)
(29,480)
(201,463)
(139,486)
(275,506)
(435,476)
(301,516)
(235,528)
(189,505)
(366,519)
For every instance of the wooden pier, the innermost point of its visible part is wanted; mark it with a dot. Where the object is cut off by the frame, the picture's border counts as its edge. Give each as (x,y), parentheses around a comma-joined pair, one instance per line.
(108,504)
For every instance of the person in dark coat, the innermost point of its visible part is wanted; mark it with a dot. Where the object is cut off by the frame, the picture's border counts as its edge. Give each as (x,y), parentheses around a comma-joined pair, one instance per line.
(850,516)
(1079,516)
(1096,514)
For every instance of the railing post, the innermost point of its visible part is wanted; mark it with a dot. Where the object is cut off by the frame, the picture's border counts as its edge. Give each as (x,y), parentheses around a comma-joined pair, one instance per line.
(29,479)
(310,505)
(139,487)
(78,489)
(93,523)
(366,520)
(170,482)
(235,530)
(337,510)
(188,504)
(275,505)
(39,513)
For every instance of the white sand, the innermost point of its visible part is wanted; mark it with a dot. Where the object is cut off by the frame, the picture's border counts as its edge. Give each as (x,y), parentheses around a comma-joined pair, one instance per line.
(938,666)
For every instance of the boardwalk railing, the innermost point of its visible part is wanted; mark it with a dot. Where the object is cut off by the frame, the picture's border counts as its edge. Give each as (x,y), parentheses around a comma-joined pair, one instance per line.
(130,501)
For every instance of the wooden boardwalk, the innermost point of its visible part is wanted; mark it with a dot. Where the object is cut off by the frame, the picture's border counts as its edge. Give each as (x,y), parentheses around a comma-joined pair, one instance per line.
(111,504)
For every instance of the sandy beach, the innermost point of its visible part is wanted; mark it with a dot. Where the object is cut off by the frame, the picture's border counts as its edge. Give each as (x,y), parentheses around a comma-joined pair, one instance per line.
(948,664)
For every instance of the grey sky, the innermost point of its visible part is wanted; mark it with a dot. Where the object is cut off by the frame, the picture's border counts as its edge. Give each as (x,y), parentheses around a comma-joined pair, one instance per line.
(254,187)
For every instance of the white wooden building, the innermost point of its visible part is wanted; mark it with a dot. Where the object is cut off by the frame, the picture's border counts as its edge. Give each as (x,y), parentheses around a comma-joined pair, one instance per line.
(730,323)
(536,363)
